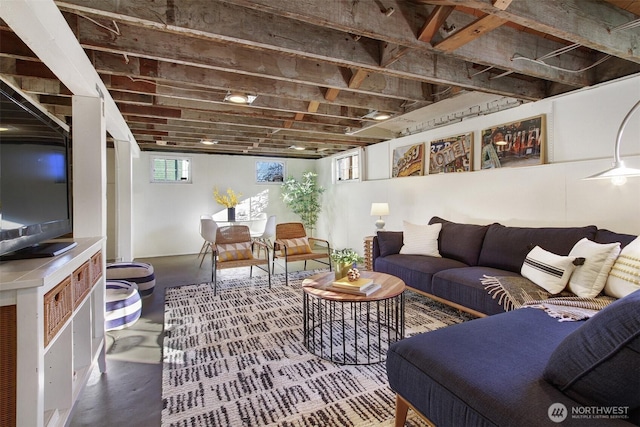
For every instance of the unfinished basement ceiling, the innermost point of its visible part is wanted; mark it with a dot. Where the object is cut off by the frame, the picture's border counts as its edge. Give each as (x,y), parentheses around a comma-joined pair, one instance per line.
(318,71)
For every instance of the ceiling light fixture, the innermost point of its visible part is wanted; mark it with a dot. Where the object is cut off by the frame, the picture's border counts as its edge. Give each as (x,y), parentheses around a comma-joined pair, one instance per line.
(3,129)
(161,142)
(208,142)
(297,147)
(239,98)
(381,116)
(619,172)
(376,115)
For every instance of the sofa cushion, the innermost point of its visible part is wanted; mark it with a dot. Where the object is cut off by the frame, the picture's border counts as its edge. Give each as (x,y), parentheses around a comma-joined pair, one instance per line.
(463,286)
(624,277)
(483,372)
(389,242)
(548,270)
(506,248)
(420,239)
(589,279)
(606,236)
(599,363)
(460,241)
(415,270)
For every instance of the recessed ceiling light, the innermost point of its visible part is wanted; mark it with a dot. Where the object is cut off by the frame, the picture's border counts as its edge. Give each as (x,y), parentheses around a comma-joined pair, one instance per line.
(208,142)
(237,98)
(161,142)
(3,129)
(296,147)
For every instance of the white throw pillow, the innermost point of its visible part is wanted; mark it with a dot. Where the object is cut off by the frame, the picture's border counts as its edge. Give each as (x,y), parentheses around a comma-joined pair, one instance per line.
(548,270)
(624,277)
(589,279)
(420,239)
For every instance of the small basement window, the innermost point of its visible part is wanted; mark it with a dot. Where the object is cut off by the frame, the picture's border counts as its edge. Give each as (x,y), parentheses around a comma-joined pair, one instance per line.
(348,167)
(170,169)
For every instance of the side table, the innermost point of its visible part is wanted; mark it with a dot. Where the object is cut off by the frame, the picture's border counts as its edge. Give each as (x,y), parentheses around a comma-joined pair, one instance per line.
(368,253)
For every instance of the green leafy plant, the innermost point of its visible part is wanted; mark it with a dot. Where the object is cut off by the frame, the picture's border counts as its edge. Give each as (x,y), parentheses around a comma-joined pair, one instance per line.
(303,198)
(346,256)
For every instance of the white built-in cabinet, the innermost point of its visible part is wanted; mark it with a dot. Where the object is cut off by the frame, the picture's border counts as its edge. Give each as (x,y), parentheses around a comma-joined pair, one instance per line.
(52,316)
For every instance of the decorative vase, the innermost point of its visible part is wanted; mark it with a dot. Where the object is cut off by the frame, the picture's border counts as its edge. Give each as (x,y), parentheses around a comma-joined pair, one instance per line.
(231,214)
(342,269)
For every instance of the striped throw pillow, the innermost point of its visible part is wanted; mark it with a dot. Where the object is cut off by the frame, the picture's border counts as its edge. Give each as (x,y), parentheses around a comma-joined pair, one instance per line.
(548,270)
(624,277)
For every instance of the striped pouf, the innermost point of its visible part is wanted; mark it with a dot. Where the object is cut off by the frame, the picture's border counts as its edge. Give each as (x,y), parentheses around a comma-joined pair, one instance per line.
(140,273)
(123,304)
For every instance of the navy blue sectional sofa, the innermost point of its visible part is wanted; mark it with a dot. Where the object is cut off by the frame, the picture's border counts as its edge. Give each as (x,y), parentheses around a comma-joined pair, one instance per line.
(471,251)
(517,368)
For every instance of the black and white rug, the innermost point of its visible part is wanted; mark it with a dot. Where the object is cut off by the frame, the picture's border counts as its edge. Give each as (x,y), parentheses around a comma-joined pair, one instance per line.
(237,359)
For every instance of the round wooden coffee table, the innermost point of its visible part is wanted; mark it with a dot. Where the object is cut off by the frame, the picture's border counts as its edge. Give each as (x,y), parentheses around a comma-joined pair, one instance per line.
(352,329)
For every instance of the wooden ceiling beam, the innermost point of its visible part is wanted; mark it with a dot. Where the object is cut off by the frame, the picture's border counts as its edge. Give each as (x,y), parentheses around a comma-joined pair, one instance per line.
(280,36)
(469,33)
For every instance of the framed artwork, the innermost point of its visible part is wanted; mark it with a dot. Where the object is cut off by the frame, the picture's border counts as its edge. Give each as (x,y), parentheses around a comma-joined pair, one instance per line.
(269,172)
(519,143)
(408,161)
(452,154)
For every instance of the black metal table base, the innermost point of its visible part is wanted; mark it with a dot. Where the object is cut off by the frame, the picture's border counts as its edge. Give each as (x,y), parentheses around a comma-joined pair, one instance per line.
(352,332)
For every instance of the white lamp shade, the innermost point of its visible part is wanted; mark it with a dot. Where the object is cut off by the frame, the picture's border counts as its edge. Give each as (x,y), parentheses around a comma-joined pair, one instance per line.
(379,209)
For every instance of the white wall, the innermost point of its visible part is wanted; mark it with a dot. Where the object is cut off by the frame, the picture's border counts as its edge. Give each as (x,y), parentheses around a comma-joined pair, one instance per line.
(167,216)
(581,130)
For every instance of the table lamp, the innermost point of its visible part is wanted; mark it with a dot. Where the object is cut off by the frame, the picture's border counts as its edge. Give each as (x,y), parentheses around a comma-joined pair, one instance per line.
(379,210)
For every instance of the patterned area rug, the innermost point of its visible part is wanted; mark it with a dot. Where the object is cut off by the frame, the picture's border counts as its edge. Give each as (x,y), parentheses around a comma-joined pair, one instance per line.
(237,359)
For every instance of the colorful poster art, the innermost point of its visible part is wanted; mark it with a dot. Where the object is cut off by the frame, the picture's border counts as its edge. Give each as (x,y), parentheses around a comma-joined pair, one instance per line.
(521,143)
(408,161)
(452,154)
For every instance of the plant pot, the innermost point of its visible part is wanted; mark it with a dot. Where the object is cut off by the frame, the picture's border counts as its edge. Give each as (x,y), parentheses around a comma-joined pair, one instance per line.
(342,269)
(231,214)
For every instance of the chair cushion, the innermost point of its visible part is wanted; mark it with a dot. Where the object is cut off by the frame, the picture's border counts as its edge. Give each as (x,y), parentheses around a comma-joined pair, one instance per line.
(234,251)
(599,363)
(296,246)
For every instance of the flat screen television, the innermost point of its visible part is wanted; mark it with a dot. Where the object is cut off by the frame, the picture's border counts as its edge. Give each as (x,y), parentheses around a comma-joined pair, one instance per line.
(35,189)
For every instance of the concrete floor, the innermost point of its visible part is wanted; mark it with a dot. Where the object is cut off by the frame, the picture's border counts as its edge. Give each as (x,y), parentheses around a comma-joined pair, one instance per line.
(130,392)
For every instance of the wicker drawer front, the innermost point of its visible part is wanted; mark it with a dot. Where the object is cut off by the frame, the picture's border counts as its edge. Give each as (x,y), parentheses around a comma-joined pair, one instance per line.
(81,283)
(95,267)
(58,307)
(8,365)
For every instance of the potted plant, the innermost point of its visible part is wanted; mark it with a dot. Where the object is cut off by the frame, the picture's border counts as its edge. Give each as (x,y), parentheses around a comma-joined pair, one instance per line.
(303,198)
(229,201)
(343,260)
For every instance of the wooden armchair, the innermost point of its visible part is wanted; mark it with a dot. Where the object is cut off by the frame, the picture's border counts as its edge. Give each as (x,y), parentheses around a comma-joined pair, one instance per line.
(233,249)
(294,245)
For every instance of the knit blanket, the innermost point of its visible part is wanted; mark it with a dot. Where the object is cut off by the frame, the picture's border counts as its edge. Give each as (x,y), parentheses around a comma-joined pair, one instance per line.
(513,292)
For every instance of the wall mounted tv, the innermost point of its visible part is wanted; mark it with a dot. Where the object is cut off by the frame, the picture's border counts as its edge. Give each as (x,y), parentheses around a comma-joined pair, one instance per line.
(35,189)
